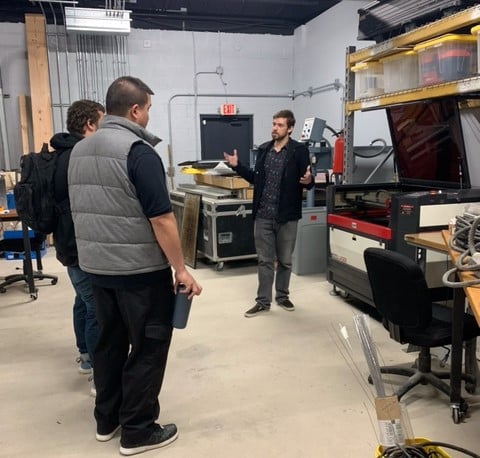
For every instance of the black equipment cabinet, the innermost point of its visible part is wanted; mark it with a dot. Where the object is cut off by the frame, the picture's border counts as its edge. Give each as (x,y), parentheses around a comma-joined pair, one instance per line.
(225,229)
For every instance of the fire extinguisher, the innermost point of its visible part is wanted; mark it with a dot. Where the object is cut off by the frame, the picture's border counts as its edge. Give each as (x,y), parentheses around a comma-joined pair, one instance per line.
(337,162)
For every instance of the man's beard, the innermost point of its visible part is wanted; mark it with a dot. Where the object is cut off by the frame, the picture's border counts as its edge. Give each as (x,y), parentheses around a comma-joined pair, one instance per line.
(278,137)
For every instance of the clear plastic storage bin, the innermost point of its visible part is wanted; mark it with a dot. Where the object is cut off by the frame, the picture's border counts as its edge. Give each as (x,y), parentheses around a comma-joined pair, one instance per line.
(446,58)
(368,79)
(400,71)
(476,32)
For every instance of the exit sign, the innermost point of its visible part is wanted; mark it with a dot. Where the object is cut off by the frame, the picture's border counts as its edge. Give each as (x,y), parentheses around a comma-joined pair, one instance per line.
(228,109)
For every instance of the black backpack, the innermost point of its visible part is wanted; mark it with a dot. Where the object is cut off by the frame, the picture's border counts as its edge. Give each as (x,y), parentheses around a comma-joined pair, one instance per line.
(34,193)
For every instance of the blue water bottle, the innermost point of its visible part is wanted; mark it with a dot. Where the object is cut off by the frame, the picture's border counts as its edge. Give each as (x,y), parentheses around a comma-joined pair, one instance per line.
(182,308)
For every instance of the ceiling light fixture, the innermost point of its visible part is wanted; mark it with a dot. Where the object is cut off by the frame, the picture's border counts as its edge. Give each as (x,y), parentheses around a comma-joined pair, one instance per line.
(97,21)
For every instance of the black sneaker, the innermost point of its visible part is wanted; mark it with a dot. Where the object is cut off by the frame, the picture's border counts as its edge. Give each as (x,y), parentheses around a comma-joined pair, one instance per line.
(103,436)
(161,436)
(286,304)
(257,309)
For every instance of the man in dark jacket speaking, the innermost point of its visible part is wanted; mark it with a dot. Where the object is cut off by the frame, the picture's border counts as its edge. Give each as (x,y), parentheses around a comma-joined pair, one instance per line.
(282,171)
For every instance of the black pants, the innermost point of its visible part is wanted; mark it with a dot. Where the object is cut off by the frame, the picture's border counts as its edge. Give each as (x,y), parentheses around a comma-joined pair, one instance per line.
(135,332)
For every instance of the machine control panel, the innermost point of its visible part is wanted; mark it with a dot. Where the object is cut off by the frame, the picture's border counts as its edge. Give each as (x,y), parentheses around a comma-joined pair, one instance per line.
(312,130)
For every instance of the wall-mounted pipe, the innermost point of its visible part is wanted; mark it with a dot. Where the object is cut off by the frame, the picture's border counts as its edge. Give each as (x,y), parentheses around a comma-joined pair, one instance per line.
(195,106)
(336,85)
(3,129)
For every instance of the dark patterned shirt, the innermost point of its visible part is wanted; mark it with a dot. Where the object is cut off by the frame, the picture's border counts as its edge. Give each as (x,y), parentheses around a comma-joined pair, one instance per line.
(274,165)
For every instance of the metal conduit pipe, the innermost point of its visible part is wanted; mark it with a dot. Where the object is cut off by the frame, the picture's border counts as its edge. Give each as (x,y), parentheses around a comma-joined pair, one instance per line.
(3,128)
(67,60)
(49,67)
(170,135)
(336,85)
(77,63)
(57,57)
(81,62)
(100,66)
(195,104)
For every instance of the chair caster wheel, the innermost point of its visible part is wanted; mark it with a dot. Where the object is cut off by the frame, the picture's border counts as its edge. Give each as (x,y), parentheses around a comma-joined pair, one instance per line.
(459,412)
(370,380)
(54,281)
(3,290)
(456,415)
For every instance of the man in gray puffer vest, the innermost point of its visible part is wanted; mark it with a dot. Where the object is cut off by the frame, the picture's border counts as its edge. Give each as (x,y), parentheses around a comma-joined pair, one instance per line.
(127,238)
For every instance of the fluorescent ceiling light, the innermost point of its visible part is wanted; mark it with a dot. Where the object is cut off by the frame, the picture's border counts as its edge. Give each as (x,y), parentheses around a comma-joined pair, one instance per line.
(97,21)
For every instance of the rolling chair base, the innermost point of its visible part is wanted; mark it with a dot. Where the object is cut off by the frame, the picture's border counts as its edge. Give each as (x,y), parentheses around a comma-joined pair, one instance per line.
(424,375)
(10,279)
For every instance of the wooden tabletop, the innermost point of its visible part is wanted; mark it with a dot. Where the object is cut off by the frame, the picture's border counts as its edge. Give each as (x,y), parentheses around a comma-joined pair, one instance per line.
(10,216)
(472,292)
(428,240)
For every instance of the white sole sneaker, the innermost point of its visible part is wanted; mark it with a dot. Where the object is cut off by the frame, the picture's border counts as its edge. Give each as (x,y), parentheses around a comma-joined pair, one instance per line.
(107,437)
(84,371)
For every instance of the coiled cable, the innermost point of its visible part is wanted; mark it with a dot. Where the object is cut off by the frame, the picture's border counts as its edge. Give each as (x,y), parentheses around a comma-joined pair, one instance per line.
(418,450)
(465,240)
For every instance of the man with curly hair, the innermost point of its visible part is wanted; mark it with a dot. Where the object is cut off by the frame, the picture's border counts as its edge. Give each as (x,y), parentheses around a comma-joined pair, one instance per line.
(83,118)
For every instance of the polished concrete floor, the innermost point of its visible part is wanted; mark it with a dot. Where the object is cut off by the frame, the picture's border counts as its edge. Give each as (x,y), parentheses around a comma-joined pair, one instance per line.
(280,385)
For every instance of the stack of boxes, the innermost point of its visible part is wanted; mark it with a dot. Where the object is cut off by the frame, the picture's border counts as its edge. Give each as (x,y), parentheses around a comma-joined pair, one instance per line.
(449,57)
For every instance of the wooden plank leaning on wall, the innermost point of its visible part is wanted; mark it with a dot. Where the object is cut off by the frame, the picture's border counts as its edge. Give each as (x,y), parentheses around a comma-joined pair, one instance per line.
(39,80)
(24,108)
(40,97)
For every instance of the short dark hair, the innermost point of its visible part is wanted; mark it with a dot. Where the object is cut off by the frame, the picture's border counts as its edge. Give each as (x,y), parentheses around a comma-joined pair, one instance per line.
(286,114)
(125,92)
(80,112)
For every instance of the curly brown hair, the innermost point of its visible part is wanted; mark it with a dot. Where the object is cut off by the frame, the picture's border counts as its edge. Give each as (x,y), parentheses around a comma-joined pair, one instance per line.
(80,112)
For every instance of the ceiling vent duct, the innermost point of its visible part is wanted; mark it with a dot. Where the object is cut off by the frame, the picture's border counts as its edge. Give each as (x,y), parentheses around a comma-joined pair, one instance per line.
(97,21)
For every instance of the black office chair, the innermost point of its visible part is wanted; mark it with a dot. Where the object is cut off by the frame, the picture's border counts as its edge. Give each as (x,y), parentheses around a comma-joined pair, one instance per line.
(16,245)
(402,298)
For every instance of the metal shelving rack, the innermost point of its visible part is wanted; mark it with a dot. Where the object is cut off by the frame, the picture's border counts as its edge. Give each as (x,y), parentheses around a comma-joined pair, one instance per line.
(455,22)
(459,23)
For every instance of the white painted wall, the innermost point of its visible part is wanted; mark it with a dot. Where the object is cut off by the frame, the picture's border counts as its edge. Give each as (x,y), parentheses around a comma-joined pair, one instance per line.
(253,64)
(319,59)
(14,78)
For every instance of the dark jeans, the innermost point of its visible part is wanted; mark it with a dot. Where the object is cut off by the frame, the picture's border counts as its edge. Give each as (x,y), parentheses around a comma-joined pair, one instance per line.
(274,242)
(131,356)
(84,319)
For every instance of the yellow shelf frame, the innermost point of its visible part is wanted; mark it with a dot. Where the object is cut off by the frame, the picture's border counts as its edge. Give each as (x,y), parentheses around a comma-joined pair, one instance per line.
(464,86)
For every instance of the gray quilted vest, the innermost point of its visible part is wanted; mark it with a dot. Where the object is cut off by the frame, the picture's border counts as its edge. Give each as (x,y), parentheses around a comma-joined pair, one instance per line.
(114,237)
